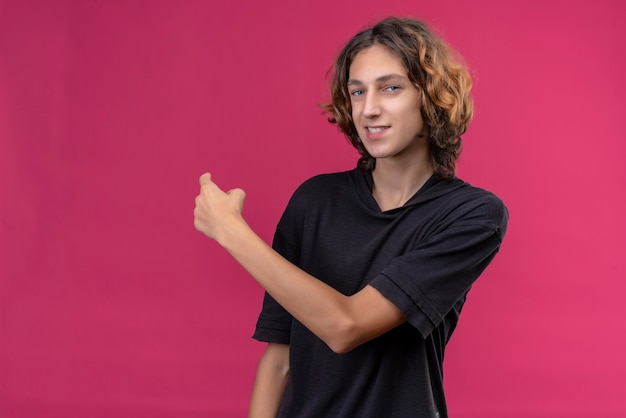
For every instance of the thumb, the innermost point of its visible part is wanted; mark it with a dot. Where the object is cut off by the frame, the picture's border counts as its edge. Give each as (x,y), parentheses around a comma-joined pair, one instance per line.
(237,193)
(205,178)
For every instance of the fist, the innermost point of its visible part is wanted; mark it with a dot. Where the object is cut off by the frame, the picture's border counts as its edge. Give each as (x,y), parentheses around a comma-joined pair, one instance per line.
(216,211)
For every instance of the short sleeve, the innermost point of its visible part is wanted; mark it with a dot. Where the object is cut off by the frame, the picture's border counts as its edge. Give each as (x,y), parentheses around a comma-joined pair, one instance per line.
(274,322)
(427,282)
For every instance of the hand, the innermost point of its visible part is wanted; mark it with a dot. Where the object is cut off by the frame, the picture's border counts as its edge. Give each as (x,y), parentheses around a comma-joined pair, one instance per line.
(215,210)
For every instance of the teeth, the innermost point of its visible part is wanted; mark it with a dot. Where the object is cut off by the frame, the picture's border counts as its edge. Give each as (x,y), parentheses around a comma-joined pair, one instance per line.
(376,130)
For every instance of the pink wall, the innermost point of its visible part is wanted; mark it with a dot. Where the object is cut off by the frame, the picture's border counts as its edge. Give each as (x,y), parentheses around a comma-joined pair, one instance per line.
(112,305)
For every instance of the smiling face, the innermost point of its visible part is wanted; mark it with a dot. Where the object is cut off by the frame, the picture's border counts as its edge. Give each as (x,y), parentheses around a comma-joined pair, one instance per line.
(386,105)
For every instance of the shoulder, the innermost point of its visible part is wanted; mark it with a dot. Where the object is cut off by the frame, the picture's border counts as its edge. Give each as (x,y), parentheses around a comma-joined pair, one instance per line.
(313,199)
(480,197)
(322,185)
(326,180)
(473,205)
(486,208)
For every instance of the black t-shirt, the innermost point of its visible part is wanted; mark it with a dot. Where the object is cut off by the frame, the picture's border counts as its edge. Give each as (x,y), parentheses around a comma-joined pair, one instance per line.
(423,257)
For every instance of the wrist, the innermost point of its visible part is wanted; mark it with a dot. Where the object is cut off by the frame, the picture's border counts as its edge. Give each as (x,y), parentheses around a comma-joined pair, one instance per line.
(232,233)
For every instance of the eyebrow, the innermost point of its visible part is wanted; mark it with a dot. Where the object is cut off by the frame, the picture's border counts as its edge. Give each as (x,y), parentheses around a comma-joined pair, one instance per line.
(380,79)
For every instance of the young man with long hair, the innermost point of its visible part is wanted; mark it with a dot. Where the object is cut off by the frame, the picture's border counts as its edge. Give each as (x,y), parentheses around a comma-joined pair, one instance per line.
(370,268)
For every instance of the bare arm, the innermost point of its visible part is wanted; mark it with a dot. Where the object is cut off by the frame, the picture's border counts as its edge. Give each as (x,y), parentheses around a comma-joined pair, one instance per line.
(342,322)
(271,378)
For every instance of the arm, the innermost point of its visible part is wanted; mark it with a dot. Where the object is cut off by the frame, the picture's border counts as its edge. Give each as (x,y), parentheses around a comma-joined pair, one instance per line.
(270,381)
(342,322)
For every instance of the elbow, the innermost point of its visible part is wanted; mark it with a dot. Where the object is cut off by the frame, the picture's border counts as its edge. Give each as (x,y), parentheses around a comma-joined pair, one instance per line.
(343,339)
(341,348)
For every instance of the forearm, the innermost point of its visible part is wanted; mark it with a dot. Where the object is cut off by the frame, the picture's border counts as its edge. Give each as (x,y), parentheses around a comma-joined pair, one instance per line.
(322,309)
(340,321)
(270,381)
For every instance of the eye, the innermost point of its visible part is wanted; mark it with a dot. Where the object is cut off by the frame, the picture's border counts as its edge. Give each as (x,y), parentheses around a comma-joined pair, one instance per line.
(357,92)
(392,89)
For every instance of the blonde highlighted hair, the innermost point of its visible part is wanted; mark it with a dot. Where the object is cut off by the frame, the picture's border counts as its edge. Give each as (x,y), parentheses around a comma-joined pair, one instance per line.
(439,75)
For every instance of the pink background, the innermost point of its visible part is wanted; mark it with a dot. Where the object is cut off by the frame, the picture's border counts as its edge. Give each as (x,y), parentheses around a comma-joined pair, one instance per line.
(112,305)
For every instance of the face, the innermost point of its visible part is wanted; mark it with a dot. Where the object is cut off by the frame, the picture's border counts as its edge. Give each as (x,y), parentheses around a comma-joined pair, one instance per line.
(386,105)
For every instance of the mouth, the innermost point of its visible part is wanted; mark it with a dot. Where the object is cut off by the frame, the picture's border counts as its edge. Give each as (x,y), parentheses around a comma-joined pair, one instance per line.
(376,129)
(375,132)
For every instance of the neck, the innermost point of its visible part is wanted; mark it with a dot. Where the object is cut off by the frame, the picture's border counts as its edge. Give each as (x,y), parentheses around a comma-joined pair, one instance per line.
(395,182)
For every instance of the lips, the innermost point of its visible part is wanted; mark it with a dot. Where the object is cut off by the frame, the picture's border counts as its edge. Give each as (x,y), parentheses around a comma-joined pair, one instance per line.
(375,132)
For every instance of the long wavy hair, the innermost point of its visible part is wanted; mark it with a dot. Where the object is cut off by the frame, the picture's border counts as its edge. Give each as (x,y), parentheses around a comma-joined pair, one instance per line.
(437,72)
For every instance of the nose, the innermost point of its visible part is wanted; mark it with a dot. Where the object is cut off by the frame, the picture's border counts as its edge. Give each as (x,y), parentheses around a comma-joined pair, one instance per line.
(371,107)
